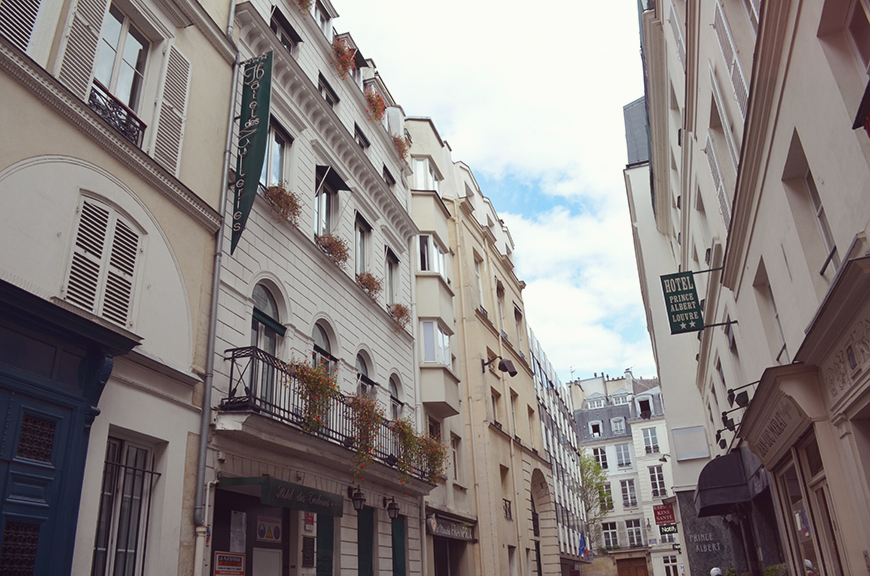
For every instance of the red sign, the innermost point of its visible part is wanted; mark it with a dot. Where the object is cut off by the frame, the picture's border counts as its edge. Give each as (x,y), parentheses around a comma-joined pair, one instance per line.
(664,514)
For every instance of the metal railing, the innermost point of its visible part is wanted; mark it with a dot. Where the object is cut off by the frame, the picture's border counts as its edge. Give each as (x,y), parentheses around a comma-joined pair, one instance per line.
(116,113)
(263,384)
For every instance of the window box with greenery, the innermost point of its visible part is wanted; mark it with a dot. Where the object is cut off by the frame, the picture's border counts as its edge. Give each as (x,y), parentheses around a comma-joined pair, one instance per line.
(371,285)
(335,249)
(403,146)
(342,57)
(376,105)
(408,447)
(401,316)
(304,6)
(433,459)
(283,203)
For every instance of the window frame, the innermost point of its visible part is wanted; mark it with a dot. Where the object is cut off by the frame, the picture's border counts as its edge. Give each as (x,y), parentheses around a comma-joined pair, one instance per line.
(599,454)
(327,92)
(436,341)
(657,481)
(362,235)
(634,532)
(629,493)
(109,521)
(426,176)
(623,455)
(324,207)
(276,134)
(126,28)
(610,534)
(650,440)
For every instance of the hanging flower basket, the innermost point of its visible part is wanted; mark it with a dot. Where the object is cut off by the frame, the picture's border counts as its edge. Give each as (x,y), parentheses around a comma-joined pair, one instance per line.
(283,203)
(403,145)
(335,248)
(401,316)
(371,285)
(433,459)
(317,388)
(376,105)
(342,57)
(408,443)
(304,6)
(368,417)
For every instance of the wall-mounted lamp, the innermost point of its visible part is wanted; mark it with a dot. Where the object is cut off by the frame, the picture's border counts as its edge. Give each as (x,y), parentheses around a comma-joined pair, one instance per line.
(357,497)
(721,441)
(503,366)
(392,507)
(742,399)
(729,422)
(648,527)
(664,458)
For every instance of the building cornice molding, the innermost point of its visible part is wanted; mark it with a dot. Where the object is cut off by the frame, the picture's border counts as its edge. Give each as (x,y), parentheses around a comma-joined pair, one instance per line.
(184,13)
(59,99)
(334,137)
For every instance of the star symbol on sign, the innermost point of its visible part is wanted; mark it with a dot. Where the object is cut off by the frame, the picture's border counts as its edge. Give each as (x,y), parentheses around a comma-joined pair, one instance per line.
(683,325)
(692,324)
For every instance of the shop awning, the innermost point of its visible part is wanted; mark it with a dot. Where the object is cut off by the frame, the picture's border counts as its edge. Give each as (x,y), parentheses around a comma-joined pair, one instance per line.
(273,492)
(721,486)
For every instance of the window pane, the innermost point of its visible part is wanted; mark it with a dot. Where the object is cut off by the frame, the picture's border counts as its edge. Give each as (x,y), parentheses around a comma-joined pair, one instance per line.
(424,253)
(429,341)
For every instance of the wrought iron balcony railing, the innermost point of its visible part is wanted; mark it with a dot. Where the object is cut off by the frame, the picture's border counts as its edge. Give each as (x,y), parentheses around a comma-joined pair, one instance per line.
(263,384)
(116,113)
(536,527)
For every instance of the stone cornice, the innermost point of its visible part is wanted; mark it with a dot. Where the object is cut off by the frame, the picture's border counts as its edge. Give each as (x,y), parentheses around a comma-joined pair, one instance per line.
(332,134)
(59,99)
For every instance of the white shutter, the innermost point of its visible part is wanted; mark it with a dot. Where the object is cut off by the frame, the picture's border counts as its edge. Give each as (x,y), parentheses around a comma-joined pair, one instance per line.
(119,282)
(83,285)
(173,107)
(103,265)
(17,18)
(81,48)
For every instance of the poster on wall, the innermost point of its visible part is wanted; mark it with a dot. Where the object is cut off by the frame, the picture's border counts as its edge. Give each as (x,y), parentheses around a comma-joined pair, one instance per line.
(228,564)
(238,522)
(268,529)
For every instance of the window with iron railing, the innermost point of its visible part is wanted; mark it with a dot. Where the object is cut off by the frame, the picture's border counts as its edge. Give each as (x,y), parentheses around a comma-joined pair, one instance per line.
(506,504)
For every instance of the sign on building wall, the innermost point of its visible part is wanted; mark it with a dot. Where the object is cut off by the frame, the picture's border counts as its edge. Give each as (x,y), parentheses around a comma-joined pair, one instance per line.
(664,514)
(681,299)
(253,137)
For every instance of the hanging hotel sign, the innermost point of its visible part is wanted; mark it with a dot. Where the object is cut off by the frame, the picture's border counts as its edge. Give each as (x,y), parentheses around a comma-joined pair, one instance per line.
(253,137)
(681,299)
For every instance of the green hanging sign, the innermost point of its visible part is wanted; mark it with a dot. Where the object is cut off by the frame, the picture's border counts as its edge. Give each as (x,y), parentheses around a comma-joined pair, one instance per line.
(681,299)
(253,137)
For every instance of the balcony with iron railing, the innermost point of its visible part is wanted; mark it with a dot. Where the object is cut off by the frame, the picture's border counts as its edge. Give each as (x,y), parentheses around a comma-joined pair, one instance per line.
(116,113)
(264,385)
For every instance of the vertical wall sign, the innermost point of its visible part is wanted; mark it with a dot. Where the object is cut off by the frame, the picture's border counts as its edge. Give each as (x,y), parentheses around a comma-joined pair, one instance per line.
(253,136)
(684,313)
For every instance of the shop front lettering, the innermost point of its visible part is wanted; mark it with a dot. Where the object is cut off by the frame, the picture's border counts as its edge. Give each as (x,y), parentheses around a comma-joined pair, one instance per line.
(778,424)
(704,542)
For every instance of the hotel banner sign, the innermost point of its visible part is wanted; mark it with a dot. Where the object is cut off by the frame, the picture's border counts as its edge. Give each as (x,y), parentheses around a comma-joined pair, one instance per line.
(681,299)
(253,137)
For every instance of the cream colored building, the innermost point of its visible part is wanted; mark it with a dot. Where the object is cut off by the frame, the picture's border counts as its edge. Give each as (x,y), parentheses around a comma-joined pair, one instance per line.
(110,180)
(759,176)
(500,476)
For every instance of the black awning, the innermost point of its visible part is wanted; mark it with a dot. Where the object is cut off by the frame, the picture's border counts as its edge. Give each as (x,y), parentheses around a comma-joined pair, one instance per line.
(333,180)
(721,486)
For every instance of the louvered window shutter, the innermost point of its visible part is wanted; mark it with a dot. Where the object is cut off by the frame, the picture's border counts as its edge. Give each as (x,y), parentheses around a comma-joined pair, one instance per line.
(173,111)
(81,48)
(103,265)
(17,18)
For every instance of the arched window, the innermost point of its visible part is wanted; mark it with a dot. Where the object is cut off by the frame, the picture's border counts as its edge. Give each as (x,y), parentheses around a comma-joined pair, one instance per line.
(265,331)
(395,403)
(362,375)
(322,348)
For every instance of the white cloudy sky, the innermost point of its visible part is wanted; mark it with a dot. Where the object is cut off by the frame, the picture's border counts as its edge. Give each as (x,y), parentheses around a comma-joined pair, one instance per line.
(530,96)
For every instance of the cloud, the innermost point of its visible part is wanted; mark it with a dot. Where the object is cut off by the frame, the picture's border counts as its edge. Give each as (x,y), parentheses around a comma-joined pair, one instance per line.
(531,96)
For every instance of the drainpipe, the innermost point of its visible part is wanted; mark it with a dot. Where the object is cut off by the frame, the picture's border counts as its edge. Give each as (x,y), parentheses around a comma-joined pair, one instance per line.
(199,520)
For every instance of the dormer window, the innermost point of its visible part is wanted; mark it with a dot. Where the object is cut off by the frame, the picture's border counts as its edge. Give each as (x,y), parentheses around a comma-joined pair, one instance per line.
(595,429)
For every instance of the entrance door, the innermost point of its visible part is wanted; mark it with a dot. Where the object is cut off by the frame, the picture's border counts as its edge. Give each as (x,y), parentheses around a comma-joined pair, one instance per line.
(266,562)
(632,567)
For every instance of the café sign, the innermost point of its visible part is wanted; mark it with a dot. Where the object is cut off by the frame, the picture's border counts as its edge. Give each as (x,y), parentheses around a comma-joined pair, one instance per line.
(681,299)
(449,528)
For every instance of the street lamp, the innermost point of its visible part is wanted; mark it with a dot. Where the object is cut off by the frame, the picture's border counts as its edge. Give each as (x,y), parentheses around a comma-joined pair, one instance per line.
(357,497)
(392,507)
